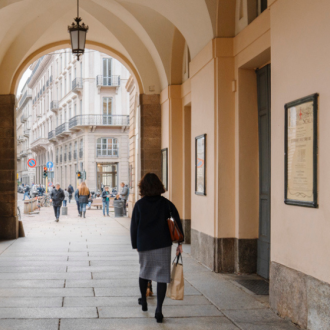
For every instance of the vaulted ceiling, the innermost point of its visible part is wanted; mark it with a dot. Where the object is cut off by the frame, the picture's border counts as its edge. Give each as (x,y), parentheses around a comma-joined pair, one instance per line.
(141,31)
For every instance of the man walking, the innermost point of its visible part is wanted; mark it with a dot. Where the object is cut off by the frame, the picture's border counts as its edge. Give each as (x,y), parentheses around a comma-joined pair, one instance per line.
(26,193)
(124,195)
(106,200)
(57,196)
(70,191)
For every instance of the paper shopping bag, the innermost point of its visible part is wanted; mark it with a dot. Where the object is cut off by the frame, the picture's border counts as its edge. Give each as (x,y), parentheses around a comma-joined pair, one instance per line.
(175,290)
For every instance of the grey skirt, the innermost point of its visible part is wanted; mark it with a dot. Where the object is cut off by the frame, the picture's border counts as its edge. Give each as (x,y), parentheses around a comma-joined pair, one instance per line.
(155,265)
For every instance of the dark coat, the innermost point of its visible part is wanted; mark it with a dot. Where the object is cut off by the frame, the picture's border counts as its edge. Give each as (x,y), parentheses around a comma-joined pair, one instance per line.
(83,199)
(57,196)
(149,228)
(70,190)
(104,195)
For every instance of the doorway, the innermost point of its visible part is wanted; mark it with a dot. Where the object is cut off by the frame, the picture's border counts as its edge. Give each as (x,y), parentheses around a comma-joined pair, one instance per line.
(107,175)
(264,123)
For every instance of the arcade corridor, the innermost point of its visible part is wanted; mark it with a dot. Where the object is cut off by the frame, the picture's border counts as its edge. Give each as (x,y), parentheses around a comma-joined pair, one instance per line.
(82,274)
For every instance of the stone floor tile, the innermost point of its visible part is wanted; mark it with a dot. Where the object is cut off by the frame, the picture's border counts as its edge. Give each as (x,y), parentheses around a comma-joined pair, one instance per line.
(276,325)
(194,323)
(106,258)
(43,263)
(32,284)
(45,276)
(28,324)
(130,301)
(36,269)
(134,292)
(168,311)
(35,258)
(48,313)
(252,315)
(115,268)
(46,292)
(111,275)
(31,302)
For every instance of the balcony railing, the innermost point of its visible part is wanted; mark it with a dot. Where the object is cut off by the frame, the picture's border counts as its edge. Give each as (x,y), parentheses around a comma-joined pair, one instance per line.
(108,81)
(51,135)
(54,106)
(75,154)
(64,128)
(26,96)
(81,153)
(99,120)
(69,155)
(24,118)
(77,84)
(27,132)
(107,153)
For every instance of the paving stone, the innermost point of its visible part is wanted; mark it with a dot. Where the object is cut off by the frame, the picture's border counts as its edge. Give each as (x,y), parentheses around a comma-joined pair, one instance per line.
(168,311)
(194,323)
(130,301)
(252,315)
(45,276)
(46,292)
(276,325)
(28,324)
(47,313)
(114,268)
(111,275)
(31,302)
(36,269)
(106,258)
(112,263)
(133,292)
(42,263)
(35,258)
(32,284)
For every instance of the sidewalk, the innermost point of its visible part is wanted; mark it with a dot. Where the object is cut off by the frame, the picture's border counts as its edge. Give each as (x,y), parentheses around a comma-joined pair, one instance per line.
(83,274)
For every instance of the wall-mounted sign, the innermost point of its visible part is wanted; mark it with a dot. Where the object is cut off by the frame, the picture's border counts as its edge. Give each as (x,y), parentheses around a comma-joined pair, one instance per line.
(32,162)
(301,152)
(200,165)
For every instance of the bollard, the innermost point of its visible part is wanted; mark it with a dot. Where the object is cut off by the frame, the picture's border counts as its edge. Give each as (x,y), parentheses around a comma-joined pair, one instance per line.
(64,210)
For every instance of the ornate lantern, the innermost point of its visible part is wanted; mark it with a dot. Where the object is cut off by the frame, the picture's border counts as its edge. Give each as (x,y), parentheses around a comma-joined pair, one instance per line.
(78,35)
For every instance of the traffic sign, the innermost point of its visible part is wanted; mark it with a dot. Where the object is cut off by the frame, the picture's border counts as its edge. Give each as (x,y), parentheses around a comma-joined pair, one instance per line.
(32,162)
(50,184)
(50,164)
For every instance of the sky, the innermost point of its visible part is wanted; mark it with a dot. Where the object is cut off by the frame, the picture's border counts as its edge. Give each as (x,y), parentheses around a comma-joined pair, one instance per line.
(22,82)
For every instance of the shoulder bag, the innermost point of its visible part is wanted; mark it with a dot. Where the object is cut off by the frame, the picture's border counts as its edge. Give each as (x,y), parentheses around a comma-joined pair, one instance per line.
(175,232)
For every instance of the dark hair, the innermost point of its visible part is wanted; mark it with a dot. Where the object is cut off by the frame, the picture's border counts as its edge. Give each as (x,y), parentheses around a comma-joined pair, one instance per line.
(150,185)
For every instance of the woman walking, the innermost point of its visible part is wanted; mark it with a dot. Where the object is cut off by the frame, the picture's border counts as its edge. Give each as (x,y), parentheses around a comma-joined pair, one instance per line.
(83,196)
(66,194)
(151,237)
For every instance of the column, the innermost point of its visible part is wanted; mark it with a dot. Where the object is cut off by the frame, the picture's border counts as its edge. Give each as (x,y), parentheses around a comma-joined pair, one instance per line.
(150,134)
(8,166)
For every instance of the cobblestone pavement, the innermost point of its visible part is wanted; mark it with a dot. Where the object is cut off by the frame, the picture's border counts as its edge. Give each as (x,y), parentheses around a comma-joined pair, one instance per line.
(83,274)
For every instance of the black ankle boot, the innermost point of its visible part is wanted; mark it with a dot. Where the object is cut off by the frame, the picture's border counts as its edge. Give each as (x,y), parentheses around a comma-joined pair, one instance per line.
(144,304)
(159,317)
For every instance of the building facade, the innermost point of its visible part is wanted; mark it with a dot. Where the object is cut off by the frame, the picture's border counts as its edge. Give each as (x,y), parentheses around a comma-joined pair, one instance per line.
(79,119)
(25,174)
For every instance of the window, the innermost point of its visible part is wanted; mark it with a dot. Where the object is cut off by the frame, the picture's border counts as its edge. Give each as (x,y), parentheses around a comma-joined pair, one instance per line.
(107,147)
(107,110)
(70,151)
(81,148)
(70,112)
(107,71)
(81,109)
(65,152)
(75,109)
(75,150)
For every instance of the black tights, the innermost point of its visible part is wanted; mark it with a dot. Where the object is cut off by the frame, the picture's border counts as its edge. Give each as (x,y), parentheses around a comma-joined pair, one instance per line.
(161,292)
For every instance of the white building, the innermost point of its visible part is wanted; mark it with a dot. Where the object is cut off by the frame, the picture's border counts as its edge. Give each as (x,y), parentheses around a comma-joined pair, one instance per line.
(80,118)
(24,123)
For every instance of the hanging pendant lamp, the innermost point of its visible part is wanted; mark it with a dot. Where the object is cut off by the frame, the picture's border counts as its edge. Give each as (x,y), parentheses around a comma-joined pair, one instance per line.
(78,35)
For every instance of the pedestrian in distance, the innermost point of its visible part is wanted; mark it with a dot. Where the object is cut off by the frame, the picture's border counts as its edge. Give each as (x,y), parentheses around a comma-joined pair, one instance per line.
(70,191)
(106,200)
(83,195)
(124,195)
(151,237)
(66,198)
(90,202)
(76,197)
(57,197)
(26,193)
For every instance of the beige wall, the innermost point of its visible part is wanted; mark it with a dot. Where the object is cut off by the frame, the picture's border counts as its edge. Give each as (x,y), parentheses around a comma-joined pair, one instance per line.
(300,67)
